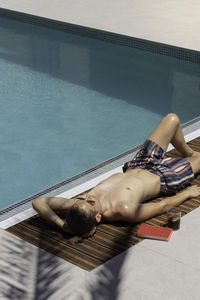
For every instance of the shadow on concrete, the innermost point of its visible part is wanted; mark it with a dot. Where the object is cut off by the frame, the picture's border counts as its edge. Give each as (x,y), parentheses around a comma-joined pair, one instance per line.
(105,284)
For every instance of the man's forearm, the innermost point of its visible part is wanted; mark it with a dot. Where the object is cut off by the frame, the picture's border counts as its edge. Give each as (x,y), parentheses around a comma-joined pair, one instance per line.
(177,199)
(47,213)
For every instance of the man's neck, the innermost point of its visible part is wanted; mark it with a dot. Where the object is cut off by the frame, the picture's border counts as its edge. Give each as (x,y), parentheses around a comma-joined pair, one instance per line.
(102,205)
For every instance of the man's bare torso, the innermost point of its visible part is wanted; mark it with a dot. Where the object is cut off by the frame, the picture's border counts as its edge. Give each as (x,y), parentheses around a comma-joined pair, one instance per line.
(135,186)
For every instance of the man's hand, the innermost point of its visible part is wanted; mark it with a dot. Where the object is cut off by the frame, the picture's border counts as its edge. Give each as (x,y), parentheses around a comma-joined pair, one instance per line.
(45,207)
(193,191)
(66,229)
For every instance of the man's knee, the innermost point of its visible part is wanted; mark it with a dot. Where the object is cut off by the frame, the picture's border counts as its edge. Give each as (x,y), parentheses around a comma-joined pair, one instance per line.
(172,118)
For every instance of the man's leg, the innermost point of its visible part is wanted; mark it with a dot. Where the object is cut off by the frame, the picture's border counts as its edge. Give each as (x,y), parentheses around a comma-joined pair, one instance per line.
(169,131)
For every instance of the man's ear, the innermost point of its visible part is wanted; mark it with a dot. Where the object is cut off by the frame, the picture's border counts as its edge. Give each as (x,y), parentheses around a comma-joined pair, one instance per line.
(98,218)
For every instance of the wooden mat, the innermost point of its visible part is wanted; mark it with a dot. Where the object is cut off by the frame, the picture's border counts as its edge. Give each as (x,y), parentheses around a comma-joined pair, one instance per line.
(110,239)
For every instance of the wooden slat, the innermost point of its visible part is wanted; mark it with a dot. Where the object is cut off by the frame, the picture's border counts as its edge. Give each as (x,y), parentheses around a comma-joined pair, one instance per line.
(110,239)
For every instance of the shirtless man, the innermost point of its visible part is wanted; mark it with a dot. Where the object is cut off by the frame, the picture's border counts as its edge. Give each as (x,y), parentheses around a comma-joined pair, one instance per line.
(121,197)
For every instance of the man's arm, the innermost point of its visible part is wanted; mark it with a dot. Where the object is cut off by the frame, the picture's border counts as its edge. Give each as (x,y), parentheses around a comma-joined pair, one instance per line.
(45,207)
(141,212)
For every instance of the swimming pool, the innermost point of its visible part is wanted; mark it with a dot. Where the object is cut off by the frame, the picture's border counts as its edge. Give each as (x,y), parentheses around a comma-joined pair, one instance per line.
(69,103)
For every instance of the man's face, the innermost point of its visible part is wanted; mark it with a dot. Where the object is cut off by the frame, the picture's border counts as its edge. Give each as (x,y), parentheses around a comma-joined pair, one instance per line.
(89,205)
(86,205)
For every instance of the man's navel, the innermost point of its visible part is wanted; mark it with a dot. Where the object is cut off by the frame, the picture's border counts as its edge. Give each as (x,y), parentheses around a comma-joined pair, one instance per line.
(128,188)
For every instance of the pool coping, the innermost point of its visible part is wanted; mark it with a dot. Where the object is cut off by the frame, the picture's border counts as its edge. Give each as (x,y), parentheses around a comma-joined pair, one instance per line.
(106,36)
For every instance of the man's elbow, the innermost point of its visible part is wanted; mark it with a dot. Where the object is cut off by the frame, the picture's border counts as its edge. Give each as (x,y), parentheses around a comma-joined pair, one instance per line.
(37,203)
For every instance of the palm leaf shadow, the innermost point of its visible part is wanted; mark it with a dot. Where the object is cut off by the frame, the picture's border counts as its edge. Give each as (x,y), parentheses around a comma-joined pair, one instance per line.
(109,274)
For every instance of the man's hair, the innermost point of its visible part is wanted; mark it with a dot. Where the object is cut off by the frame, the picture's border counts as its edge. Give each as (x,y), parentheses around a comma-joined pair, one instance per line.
(80,222)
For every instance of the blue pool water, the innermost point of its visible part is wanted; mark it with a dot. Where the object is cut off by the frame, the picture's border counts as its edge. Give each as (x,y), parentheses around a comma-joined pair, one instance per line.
(68,103)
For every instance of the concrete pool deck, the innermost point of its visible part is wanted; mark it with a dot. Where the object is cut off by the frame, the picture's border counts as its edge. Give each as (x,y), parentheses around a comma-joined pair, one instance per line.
(170,22)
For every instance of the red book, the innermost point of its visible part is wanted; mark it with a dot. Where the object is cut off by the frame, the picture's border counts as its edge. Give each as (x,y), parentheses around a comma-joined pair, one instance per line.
(154,232)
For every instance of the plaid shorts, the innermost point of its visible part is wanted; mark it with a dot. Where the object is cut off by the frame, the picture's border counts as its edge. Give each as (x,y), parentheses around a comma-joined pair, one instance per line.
(175,173)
